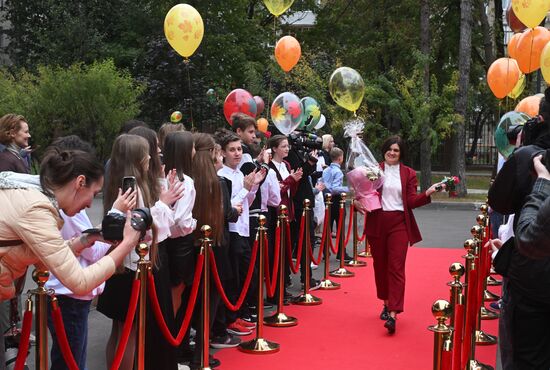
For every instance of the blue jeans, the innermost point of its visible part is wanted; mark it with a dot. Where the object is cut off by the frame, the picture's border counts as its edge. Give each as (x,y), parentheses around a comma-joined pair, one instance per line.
(75,319)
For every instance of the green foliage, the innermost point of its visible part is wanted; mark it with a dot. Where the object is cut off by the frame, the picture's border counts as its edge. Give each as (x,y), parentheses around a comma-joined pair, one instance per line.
(89,101)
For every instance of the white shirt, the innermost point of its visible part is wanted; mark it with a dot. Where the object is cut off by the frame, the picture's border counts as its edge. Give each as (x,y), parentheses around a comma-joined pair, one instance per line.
(392,194)
(283,171)
(239,195)
(73,227)
(271,191)
(184,223)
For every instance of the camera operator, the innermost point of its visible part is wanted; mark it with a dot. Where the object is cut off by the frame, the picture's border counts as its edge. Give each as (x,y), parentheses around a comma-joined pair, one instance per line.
(525,308)
(303,154)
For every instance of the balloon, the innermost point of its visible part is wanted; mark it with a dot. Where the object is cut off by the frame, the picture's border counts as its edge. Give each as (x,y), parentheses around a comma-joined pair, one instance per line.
(518,89)
(513,22)
(287,52)
(183,29)
(262,125)
(530,13)
(529,105)
(239,100)
(286,112)
(321,123)
(278,7)
(513,45)
(176,116)
(529,48)
(502,76)
(347,88)
(260,105)
(310,108)
(509,120)
(545,63)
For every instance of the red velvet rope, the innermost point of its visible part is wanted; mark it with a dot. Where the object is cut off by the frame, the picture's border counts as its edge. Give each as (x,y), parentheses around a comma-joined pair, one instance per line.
(132,307)
(24,343)
(446,360)
(360,239)
(190,306)
(294,267)
(470,318)
(62,337)
(457,335)
(271,280)
(350,224)
(323,240)
(334,247)
(217,281)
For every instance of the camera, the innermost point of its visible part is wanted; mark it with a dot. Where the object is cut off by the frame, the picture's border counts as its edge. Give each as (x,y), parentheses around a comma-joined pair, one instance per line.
(112,226)
(304,141)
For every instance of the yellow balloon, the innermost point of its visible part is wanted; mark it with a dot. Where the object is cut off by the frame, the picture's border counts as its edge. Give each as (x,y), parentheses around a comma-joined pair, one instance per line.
(545,62)
(530,13)
(518,89)
(184,29)
(278,7)
(347,88)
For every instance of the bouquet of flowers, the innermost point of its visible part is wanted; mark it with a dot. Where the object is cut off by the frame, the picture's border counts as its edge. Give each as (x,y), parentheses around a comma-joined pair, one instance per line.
(450,183)
(364,174)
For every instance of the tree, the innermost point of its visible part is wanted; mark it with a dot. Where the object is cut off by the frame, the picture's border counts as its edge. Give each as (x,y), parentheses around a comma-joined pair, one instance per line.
(458,160)
(425,47)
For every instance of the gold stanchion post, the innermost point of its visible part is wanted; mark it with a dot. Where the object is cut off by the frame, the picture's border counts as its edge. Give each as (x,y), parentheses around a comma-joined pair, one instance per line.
(143,267)
(341,271)
(307,299)
(356,262)
(441,310)
(280,319)
(40,277)
(206,245)
(326,284)
(484,313)
(491,281)
(259,345)
(457,271)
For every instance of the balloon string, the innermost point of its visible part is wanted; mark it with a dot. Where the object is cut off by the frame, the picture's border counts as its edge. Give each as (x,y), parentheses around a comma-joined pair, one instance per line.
(270,75)
(190,94)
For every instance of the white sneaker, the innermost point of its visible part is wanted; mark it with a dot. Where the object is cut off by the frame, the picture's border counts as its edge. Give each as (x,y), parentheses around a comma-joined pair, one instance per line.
(314,266)
(183,367)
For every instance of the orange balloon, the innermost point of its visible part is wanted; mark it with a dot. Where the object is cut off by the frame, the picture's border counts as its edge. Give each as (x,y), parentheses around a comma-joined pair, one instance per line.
(529,48)
(262,125)
(529,105)
(502,76)
(287,52)
(513,44)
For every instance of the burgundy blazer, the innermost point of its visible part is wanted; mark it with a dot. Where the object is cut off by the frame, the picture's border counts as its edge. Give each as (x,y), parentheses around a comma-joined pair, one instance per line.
(287,184)
(411,200)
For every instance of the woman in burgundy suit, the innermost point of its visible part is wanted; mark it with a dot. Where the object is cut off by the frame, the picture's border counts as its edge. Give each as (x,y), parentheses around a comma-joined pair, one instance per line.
(393,228)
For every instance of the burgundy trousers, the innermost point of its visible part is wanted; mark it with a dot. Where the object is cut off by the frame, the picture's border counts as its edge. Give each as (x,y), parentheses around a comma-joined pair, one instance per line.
(389,252)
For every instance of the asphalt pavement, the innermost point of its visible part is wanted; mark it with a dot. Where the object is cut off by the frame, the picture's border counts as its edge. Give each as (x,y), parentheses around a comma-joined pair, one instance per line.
(443,225)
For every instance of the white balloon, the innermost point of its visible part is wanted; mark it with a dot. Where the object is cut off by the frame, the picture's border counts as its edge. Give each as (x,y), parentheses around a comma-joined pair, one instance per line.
(322,122)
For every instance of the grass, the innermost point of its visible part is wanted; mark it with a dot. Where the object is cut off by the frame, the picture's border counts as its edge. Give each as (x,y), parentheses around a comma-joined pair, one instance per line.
(444,197)
(480,182)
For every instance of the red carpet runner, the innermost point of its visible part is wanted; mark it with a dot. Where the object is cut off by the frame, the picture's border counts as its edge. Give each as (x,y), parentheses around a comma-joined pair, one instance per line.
(345,331)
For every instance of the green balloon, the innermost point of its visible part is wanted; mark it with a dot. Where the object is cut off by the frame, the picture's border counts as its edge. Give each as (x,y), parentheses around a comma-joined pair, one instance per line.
(311,112)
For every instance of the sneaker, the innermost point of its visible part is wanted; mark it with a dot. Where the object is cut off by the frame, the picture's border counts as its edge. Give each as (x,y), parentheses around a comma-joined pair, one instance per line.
(183,367)
(347,257)
(250,318)
(237,329)
(315,284)
(314,266)
(246,324)
(227,341)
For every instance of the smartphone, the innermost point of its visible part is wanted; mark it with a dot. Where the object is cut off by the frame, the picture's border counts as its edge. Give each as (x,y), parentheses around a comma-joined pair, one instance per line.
(127,183)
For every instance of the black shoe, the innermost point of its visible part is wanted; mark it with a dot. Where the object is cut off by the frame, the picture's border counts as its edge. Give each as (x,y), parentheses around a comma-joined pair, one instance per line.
(390,325)
(347,257)
(212,363)
(250,318)
(384,315)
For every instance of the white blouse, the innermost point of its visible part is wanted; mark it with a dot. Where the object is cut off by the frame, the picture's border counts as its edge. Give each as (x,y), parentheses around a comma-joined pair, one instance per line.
(392,194)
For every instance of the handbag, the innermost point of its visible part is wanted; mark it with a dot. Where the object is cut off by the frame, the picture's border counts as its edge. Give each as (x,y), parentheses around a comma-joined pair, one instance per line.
(502,260)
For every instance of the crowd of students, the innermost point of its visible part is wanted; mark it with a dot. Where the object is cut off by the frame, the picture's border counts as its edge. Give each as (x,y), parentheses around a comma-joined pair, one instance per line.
(226,180)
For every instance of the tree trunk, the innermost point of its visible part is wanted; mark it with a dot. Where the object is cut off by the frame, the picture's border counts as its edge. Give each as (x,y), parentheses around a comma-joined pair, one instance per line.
(426,144)
(458,160)
(499,30)
(488,40)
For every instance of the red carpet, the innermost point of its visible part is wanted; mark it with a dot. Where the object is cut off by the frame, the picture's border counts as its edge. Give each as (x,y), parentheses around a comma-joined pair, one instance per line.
(345,331)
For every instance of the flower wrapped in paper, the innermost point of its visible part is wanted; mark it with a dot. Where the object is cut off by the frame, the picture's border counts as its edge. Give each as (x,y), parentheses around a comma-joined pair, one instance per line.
(364,174)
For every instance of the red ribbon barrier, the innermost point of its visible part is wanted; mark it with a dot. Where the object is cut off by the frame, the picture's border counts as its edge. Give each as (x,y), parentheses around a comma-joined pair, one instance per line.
(217,281)
(323,240)
(271,280)
(334,246)
(24,343)
(294,267)
(457,335)
(446,360)
(132,307)
(189,310)
(350,223)
(61,335)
